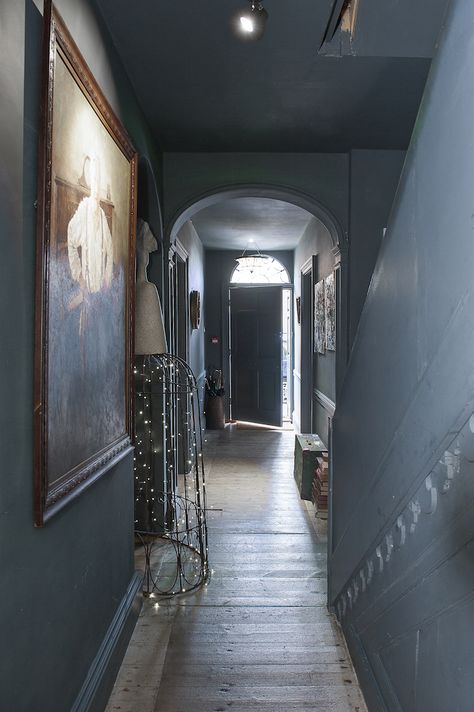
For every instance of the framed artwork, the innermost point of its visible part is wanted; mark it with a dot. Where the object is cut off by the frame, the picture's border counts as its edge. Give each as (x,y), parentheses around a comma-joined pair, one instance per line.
(195,309)
(84,280)
(330,300)
(319,345)
(298,310)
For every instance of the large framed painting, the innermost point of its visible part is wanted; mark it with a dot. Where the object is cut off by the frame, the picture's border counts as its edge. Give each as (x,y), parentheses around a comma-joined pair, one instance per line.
(319,340)
(85,279)
(330,299)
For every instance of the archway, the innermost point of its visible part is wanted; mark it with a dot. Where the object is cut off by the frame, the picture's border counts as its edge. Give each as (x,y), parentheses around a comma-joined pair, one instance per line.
(338,249)
(294,197)
(250,190)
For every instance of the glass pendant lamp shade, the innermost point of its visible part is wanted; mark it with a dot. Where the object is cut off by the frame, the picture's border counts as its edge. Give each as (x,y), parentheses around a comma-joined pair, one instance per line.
(254,261)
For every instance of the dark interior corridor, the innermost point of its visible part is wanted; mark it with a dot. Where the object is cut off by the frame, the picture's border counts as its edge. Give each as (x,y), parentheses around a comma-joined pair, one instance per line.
(340,143)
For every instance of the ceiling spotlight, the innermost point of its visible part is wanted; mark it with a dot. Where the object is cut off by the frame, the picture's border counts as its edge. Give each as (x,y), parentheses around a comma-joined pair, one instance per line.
(249,23)
(246,24)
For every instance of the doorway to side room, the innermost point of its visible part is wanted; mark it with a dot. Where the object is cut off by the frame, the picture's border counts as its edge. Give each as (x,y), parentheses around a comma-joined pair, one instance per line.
(178,300)
(178,316)
(306,337)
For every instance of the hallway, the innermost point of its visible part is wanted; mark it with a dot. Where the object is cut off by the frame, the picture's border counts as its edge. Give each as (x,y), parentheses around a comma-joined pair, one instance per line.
(259,635)
(340,144)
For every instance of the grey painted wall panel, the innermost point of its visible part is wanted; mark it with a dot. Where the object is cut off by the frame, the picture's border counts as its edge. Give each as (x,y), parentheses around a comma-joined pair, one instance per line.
(374,177)
(60,586)
(401,573)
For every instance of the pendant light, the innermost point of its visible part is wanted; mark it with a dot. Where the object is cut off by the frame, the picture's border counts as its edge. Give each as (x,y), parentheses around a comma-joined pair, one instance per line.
(254,259)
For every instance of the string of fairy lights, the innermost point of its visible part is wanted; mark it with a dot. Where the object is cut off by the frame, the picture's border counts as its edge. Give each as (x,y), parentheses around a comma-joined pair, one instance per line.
(170,487)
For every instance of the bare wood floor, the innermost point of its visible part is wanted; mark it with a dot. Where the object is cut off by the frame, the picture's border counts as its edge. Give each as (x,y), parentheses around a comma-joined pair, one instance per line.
(259,635)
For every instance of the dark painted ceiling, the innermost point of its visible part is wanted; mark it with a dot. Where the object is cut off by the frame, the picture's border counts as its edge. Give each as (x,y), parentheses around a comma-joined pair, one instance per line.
(203,90)
(396,28)
(271,224)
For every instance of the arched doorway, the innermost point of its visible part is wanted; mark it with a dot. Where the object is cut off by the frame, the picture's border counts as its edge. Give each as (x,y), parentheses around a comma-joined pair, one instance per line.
(338,255)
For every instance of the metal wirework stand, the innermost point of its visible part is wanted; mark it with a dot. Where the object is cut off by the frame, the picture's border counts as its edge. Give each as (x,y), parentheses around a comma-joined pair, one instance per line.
(170,494)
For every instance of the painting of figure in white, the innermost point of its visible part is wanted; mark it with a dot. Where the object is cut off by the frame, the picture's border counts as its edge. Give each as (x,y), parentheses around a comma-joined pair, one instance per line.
(88,264)
(90,248)
(89,238)
(84,279)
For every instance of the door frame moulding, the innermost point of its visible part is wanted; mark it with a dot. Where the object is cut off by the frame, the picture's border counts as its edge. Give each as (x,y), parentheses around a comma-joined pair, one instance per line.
(306,346)
(176,251)
(307,266)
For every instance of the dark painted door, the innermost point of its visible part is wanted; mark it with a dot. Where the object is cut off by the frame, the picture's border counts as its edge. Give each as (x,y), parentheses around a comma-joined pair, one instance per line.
(256,324)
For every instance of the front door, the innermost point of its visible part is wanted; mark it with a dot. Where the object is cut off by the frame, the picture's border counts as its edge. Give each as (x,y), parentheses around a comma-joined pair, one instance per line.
(256,326)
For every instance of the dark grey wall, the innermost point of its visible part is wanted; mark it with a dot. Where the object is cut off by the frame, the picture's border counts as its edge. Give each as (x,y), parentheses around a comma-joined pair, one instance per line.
(219,265)
(322,176)
(149,209)
(401,574)
(374,177)
(60,586)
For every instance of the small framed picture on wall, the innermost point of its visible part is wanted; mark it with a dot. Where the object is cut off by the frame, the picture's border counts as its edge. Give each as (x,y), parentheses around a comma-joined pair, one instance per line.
(330,309)
(319,318)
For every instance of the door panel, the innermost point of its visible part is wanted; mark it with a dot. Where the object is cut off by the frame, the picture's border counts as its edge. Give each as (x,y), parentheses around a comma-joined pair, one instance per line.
(256,324)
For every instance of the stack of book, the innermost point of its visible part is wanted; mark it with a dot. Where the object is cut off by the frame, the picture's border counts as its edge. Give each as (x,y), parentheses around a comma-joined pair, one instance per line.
(320,486)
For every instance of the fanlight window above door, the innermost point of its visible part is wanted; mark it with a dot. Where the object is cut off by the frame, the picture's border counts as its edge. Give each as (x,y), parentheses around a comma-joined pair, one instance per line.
(259,269)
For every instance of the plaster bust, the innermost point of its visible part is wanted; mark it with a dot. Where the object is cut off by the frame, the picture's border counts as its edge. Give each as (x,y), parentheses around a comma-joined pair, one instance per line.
(150,337)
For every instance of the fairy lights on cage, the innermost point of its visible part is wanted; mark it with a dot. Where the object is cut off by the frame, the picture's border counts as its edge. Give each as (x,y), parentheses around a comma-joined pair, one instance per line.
(170,498)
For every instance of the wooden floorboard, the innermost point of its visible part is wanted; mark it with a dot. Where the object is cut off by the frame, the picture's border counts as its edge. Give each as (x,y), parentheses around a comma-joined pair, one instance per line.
(258,636)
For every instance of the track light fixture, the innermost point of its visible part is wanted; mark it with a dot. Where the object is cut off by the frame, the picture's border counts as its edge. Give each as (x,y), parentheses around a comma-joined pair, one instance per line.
(249,23)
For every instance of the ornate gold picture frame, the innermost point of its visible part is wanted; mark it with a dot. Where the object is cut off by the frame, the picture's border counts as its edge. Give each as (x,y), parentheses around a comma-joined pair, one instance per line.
(84,280)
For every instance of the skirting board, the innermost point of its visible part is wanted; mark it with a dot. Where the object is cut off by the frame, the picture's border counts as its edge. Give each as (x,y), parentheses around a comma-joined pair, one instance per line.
(100,679)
